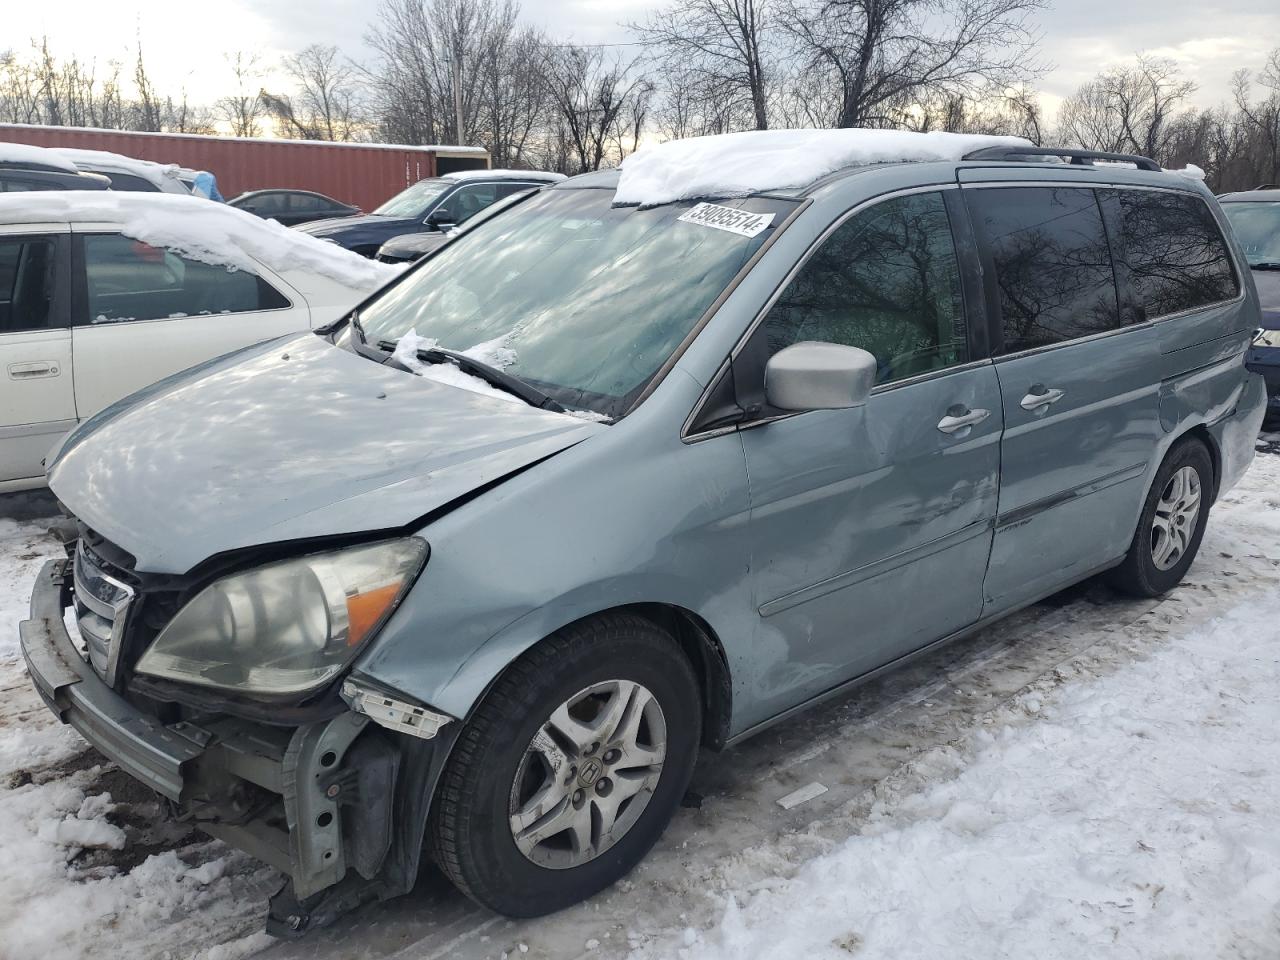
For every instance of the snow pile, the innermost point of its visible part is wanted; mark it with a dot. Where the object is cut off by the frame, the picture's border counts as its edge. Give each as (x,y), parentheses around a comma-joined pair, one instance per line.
(1190,171)
(406,353)
(211,232)
(25,155)
(503,175)
(157,174)
(739,164)
(1132,816)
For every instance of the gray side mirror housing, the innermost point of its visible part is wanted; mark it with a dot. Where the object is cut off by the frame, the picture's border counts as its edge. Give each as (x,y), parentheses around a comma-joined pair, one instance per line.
(819,376)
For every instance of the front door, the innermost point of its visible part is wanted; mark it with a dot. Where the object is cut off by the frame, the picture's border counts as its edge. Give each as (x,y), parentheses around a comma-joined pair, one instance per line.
(871,527)
(37,401)
(1079,389)
(144,312)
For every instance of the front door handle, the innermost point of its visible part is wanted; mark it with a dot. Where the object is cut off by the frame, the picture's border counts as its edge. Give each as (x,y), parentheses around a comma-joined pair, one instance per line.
(961,420)
(1040,396)
(33,370)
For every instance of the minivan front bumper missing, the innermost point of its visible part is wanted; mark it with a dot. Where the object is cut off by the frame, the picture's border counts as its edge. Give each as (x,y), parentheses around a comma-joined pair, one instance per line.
(338,805)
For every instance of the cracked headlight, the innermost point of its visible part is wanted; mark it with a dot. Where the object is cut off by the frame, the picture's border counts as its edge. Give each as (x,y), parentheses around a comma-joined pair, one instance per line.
(286,627)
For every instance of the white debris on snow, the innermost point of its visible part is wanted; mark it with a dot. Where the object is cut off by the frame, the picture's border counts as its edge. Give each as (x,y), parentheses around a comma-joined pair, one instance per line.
(803,795)
(739,164)
(1132,815)
(25,154)
(210,232)
(159,175)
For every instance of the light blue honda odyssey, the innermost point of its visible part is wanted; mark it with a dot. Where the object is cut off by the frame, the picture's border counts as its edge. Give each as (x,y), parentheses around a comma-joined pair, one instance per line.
(477,570)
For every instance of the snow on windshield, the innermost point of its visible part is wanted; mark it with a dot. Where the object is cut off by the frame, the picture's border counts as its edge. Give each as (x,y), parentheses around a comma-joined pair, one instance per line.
(740,164)
(24,155)
(153,173)
(406,353)
(197,228)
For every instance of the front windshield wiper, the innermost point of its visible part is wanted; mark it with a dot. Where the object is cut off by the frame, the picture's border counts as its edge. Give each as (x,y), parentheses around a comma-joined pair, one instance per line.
(1265,265)
(489,374)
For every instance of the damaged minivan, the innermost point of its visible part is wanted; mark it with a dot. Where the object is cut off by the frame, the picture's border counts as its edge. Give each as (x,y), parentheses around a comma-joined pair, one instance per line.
(641,466)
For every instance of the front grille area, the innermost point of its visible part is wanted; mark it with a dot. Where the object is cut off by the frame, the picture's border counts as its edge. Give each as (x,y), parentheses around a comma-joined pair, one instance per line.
(102,603)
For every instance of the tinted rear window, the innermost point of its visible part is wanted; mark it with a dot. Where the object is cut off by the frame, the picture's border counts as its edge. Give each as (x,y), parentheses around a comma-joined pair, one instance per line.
(1175,252)
(1052,263)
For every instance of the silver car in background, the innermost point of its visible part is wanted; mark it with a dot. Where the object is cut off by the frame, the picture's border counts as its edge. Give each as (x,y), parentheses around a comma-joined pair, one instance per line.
(713,462)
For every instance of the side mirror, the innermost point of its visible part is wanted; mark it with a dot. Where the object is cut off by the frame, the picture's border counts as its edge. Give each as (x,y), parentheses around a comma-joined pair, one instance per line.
(819,376)
(439,219)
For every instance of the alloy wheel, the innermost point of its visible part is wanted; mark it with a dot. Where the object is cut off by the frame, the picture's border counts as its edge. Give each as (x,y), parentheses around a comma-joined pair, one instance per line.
(588,774)
(1174,522)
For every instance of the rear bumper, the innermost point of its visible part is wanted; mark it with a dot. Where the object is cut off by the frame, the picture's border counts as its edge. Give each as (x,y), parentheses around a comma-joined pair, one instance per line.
(144,748)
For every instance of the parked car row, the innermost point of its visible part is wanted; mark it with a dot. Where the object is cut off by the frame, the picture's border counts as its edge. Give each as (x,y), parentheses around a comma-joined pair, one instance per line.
(641,463)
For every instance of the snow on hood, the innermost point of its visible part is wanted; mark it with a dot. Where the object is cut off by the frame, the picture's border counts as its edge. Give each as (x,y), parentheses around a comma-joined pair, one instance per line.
(211,232)
(739,164)
(153,173)
(21,153)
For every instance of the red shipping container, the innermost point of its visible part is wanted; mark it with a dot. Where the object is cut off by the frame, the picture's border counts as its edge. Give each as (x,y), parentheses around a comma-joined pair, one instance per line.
(364,174)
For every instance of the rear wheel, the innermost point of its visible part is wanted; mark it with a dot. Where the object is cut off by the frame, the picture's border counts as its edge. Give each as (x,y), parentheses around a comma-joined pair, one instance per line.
(1172,523)
(570,769)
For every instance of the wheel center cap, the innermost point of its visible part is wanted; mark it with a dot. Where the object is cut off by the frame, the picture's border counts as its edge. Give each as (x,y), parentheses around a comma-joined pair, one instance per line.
(590,772)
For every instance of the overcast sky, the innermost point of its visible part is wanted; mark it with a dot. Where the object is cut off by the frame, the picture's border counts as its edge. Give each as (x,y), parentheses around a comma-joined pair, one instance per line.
(184,45)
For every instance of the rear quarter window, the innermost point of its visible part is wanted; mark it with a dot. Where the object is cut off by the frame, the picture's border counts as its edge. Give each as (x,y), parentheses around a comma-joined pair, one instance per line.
(1175,254)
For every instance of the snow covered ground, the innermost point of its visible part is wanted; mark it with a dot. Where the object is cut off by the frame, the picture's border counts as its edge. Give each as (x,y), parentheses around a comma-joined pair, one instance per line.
(1091,777)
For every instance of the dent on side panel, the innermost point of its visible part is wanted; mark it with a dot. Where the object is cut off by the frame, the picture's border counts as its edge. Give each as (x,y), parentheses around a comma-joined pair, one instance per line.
(636,516)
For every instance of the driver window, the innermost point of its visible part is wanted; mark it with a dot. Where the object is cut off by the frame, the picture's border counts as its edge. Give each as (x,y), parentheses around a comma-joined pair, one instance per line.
(468,201)
(887,281)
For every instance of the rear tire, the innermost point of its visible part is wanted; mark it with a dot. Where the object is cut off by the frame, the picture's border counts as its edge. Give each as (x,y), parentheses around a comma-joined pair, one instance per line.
(1171,525)
(634,733)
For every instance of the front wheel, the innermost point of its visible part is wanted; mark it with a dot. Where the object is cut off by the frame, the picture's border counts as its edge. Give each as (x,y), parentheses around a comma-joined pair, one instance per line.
(570,769)
(1172,523)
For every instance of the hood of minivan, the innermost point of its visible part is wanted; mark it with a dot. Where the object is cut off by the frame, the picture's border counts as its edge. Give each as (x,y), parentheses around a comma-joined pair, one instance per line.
(290,440)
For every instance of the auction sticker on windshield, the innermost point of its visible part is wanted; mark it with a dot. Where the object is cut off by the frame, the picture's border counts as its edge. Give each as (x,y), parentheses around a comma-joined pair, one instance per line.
(742,222)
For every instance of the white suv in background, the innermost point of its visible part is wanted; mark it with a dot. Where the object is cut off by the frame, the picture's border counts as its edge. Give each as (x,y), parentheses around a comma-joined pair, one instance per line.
(101,297)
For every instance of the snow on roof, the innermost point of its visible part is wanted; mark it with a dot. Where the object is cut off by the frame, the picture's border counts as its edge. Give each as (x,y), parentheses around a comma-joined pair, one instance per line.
(503,175)
(21,153)
(739,164)
(98,160)
(201,229)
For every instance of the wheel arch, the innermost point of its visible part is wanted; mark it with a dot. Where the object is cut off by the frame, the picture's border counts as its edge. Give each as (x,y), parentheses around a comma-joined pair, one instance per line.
(696,638)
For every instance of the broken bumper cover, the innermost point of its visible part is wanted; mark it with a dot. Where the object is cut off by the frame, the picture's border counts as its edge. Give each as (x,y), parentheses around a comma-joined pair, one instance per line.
(139,744)
(338,805)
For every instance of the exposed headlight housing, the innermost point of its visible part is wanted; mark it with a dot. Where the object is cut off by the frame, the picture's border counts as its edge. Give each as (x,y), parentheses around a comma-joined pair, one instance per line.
(1267,337)
(289,627)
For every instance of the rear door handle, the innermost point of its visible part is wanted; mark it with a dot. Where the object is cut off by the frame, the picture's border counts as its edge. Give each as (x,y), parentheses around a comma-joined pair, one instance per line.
(1039,397)
(962,419)
(33,370)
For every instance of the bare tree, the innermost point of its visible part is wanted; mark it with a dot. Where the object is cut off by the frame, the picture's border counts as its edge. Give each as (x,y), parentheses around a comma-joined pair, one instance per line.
(1263,116)
(719,49)
(600,104)
(880,56)
(1129,109)
(243,109)
(326,104)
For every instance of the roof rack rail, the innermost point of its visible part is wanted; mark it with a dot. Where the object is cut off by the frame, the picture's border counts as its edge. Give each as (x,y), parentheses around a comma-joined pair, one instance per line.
(1077,157)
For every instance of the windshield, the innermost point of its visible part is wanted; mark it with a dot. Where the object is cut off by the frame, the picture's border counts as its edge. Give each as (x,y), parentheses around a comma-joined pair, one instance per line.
(582,299)
(414,201)
(1257,227)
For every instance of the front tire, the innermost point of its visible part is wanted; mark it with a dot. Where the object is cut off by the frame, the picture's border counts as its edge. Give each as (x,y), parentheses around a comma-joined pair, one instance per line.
(1171,525)
(570,769)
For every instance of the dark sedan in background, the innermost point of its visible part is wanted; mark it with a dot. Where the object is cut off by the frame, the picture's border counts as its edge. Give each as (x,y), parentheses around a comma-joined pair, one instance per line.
(1255,218)
(411,247)
(292,207)
(432,206)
